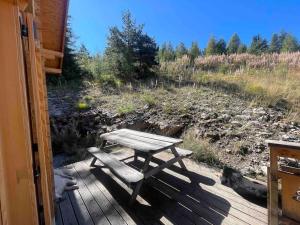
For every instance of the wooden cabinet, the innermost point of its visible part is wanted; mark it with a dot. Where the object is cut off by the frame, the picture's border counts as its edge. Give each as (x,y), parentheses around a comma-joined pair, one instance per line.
(283,181)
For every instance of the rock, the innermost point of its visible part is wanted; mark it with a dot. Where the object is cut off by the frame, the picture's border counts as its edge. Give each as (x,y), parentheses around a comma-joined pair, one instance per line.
(205,116)
(264,170)
(264,134)
(224,117)
(259,111)
(287,137)
(236,123)
(243,117)
(228,151)
(213,136)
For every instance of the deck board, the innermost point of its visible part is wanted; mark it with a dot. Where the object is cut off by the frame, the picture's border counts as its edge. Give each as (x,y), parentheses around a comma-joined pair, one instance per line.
(171,197)
(81,212)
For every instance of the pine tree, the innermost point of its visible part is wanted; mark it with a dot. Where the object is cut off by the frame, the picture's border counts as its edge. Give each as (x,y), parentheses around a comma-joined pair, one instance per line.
(130,52)
(275,44)
(194,51)
(161,52)
(70,68)
(170,53)
(211,47)
(242,49)
(258,45)
(145,54)
(281,38)
(290,44)
(166,52)
(181,50)
(221,47)
(83,57)
(233,44)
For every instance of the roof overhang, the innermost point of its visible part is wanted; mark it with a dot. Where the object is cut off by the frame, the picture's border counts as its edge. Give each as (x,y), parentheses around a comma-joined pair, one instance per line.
(51,23)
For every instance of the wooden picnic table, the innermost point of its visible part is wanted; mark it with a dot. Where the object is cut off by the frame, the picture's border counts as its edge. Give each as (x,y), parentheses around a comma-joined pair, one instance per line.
(145,145)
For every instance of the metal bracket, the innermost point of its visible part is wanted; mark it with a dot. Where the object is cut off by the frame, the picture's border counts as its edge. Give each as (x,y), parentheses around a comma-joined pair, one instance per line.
(24,30)
(36,173)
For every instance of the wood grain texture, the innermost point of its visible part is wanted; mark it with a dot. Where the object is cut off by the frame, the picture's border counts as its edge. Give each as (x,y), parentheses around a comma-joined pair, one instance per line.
(167,199)
(107,208)
(283,144)
(290,184)
(17,189)
(92,205)
(120,169)
(134,143)
(149,135)
(51,25)
(39,111)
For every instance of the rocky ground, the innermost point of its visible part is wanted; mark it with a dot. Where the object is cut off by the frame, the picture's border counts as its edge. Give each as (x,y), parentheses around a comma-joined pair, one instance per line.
(235,128)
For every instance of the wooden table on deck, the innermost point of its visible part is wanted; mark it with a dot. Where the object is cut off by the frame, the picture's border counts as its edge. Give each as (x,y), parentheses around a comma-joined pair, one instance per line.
(146,145)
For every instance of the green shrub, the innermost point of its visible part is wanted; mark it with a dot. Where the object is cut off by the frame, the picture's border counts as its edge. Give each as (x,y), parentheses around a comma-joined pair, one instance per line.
(82,106)
(109,80)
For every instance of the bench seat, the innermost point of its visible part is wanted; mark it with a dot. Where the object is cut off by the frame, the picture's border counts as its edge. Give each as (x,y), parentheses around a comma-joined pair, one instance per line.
(124,172)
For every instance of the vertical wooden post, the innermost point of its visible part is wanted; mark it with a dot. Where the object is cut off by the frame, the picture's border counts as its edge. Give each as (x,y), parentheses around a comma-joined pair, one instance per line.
(17,189)
(273,189)
(37,86)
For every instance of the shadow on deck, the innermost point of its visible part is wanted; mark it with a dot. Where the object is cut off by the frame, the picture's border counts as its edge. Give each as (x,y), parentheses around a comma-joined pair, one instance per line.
(171,197)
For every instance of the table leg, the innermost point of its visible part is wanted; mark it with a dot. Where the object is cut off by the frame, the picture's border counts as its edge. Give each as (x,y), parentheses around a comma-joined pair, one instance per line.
(135,155)
(103,144)
(95,159)
(146,163)
(135,192)
(175,153)
(137,188)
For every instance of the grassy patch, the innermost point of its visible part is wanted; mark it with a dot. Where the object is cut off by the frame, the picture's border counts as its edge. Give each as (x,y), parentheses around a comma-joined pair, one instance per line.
(149,99)
(203,151)
(168,108)
(126,108)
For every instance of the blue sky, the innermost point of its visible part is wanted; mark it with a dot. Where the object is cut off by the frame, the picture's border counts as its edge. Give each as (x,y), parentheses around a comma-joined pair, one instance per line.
(185,20)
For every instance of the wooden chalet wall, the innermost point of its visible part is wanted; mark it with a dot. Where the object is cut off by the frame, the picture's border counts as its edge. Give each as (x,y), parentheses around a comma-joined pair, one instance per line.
(17,189)
(26,184)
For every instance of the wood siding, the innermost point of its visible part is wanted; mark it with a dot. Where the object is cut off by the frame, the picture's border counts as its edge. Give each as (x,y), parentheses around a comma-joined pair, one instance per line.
(17,190)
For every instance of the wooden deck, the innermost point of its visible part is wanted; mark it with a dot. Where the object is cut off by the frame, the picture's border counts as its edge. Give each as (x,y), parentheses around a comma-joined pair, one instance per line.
(171,197)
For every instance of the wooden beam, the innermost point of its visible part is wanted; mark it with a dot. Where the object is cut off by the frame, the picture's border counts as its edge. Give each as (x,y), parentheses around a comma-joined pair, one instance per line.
(283,144)
(51,53)
(37,93)
(53,70)
(273,188)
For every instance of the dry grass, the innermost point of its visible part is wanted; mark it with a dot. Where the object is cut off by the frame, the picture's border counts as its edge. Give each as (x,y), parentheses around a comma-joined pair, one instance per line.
(280,87)
(269,79)
(203,150)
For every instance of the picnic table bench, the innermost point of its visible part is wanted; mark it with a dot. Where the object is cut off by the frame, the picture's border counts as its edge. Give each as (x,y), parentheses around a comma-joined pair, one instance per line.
(145,145)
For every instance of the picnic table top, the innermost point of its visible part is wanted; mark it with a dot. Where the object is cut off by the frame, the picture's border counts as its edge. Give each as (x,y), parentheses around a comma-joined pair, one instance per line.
(140,141)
